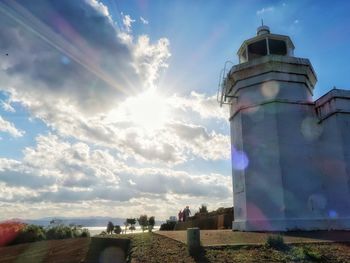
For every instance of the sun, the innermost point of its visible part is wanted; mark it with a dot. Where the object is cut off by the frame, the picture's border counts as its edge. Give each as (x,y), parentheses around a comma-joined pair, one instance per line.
(148,110)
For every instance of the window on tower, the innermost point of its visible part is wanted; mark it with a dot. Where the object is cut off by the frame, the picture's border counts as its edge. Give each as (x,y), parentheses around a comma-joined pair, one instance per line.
(277,47)
(257,49)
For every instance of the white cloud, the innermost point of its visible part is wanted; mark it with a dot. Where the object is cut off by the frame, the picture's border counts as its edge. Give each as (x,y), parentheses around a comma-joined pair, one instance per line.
(102,68)
(144,21)
(8,127)
(56,172)
(127,21)
(7,106)
(206,106)
(150,58)
(265,10)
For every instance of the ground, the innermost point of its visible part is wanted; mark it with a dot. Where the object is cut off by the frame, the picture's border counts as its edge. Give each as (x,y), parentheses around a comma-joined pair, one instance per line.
(153,248)
(229,237)
(149,248)
(58,251)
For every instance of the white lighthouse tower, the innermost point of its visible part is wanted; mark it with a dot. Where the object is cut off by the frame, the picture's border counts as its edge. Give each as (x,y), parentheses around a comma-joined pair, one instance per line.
(290,155)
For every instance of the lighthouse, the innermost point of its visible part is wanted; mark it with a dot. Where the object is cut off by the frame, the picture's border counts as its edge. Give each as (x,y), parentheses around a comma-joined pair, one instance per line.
(290,154)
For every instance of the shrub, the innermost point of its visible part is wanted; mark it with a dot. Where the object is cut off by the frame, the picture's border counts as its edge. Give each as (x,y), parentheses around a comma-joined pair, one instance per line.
(305,253)
(60,232)
(275,241)
(203,209)
(30,233)
(110,227)
(151,223)
(143,222)
(312,255)
(117,229)
(85,233)
(168,226)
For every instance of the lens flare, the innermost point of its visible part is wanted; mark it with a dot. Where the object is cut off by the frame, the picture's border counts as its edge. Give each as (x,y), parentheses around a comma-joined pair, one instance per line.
(310,128)
(239,160)
(270,89)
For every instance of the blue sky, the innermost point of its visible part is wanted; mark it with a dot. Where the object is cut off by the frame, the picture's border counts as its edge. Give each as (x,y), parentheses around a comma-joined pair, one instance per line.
(113,102)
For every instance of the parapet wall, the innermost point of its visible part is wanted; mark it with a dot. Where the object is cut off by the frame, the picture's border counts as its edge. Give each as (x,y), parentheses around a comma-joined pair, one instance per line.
(209,221)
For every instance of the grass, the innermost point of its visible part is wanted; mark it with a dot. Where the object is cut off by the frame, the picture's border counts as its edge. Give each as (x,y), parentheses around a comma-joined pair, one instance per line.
(150,247)
(276,242)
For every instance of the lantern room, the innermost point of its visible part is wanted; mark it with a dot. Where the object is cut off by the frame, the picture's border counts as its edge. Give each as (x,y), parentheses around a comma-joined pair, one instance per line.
(265,44)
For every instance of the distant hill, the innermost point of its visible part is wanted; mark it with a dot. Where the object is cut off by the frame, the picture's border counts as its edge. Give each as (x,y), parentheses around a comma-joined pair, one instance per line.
(84,221)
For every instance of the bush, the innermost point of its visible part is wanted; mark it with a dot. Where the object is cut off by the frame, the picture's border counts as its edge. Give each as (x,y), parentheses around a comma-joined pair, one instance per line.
(305,253)
(85,233)
(63,232)
(32,233)
(117,229)
(168,226)
(151,223)
(110,228)
(203,209)
(59,232)
(29,233)
(275,241)
(143,222)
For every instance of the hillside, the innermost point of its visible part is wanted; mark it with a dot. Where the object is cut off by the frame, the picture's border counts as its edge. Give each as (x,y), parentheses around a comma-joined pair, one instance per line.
(151,248)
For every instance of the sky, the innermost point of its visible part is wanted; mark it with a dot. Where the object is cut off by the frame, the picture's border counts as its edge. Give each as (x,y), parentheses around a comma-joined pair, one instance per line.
(108,108)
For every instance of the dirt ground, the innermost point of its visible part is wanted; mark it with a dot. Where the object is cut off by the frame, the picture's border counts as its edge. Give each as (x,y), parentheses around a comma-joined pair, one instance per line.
(229,237)
(57,251)
(153,248)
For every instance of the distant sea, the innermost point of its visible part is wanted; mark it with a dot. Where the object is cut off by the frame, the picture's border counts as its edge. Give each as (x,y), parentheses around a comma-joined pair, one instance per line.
(95,230)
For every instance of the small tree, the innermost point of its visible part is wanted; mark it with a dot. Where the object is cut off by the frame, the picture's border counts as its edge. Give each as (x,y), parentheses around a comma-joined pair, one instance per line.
(126,224)
(151,223)
(203,209)
(117,229)
(110,227)
(132,228)
(130,222)
(169,225)
(143,222)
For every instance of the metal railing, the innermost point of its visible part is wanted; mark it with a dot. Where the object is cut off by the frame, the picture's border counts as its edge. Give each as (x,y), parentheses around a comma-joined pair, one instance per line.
(221,95)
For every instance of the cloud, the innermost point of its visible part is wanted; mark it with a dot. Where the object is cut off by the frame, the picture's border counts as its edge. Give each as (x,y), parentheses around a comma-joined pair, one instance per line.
(265,10)
(127,21)
(144,21)
(6,106)
(70,67)
(77,105)
(205,106)
(10,128)
(56,172)
(77,41)
(149,58)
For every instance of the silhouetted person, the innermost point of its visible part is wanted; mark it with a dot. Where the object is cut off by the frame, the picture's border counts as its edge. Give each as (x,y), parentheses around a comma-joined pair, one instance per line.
(186,213)
(180,215)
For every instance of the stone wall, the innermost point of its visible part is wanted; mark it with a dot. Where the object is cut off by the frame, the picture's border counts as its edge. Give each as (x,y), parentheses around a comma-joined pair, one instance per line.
(212,220)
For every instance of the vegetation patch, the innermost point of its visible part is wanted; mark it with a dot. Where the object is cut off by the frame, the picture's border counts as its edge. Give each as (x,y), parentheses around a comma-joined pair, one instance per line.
(276,242)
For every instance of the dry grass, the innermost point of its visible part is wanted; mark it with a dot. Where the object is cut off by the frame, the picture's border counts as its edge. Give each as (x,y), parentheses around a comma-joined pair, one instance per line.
(58,251)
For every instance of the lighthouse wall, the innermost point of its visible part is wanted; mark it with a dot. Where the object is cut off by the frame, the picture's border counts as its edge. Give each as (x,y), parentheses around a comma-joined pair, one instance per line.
(290,155)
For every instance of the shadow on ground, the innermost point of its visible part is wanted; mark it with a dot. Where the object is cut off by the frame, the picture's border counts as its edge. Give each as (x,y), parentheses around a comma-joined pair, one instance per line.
(334,235)
(108,250)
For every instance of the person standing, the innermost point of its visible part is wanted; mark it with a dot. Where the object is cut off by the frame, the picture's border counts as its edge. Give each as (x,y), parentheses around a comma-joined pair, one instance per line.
(180,215)
(186,213)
